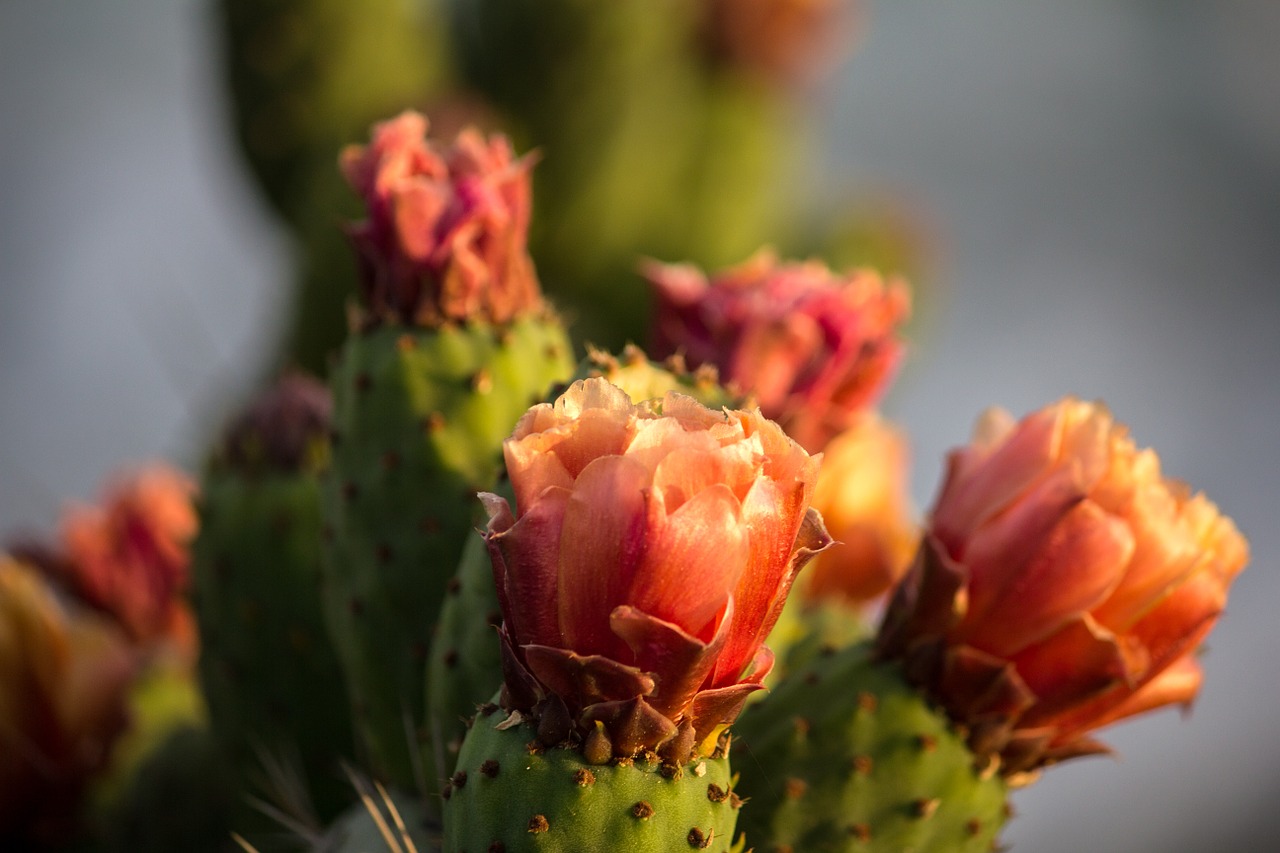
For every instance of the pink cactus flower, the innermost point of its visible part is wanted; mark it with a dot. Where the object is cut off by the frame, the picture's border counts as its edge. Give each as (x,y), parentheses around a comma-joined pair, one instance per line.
(445,233)
(651,552)
(130,555)
(1064,584)
(64,675)
(815,349)
(863,496)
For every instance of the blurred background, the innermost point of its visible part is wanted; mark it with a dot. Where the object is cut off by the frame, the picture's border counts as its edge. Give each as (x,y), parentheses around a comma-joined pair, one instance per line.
(1096,185)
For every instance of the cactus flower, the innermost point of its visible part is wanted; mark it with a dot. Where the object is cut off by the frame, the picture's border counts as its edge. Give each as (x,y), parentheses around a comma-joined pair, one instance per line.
(783,40)
(445,232)
(130,555)
(1064,584)
(650,553)
(862,495)
(816,349)
(64,674)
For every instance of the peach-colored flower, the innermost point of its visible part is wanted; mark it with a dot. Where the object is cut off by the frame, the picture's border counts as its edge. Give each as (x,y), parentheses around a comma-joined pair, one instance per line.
(862,495)
(129,556)
(446,229)
(64,674)
(1064,584)
(816,349)
(651,552)
(785,40)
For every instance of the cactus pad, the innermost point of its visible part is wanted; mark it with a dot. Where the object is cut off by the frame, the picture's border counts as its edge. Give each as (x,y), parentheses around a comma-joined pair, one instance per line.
(845,757)
(512,795)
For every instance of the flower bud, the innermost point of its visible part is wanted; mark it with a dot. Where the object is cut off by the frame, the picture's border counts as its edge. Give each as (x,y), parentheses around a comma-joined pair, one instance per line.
(815,349)
(445,233)
(651,551)
(1064,584)
(130,555)
(862,495)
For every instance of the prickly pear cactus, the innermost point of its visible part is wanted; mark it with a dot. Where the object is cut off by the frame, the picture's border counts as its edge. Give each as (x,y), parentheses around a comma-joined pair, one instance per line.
(845,756)
(511,794)
(420,416)
(268,668)
(465,666)
(806,629)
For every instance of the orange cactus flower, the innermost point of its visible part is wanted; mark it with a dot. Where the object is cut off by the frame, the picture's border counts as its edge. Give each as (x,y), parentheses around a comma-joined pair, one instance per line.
(1064,584)
(64,675)
(130,555)
(446,230)
(650,554)
(863,496)
(816,349)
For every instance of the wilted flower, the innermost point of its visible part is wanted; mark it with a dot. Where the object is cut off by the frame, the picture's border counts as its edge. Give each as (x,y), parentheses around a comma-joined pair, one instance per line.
(862,495)
(786,40)
(1064,584)
(63,679)
(651,552)
(129,556)
(816,349)
(446,229)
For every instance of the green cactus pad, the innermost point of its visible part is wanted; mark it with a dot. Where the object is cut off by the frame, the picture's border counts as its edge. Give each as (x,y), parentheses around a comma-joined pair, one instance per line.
(844,756)
(267,666)
(509,796)
(419,420)
(806,629)
(465,666)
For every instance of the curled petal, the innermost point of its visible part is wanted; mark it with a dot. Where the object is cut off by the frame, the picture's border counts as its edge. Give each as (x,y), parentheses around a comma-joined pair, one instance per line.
(525,558)
(588,680)
(678,661)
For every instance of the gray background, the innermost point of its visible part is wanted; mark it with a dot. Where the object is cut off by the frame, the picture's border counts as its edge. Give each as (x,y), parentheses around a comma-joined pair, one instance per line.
(1103,179)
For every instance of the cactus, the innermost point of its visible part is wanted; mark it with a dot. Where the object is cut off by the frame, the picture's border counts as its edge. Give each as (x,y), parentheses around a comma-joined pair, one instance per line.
(465,664)
(451,346)
(307,77)
(554,799)
(269,670)
(846,756)
(182,797)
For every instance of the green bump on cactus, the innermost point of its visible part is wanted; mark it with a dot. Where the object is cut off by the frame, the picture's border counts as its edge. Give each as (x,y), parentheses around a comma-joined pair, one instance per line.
(465,666)
(845,756)
(513,795)
(267,666)
(420,416)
